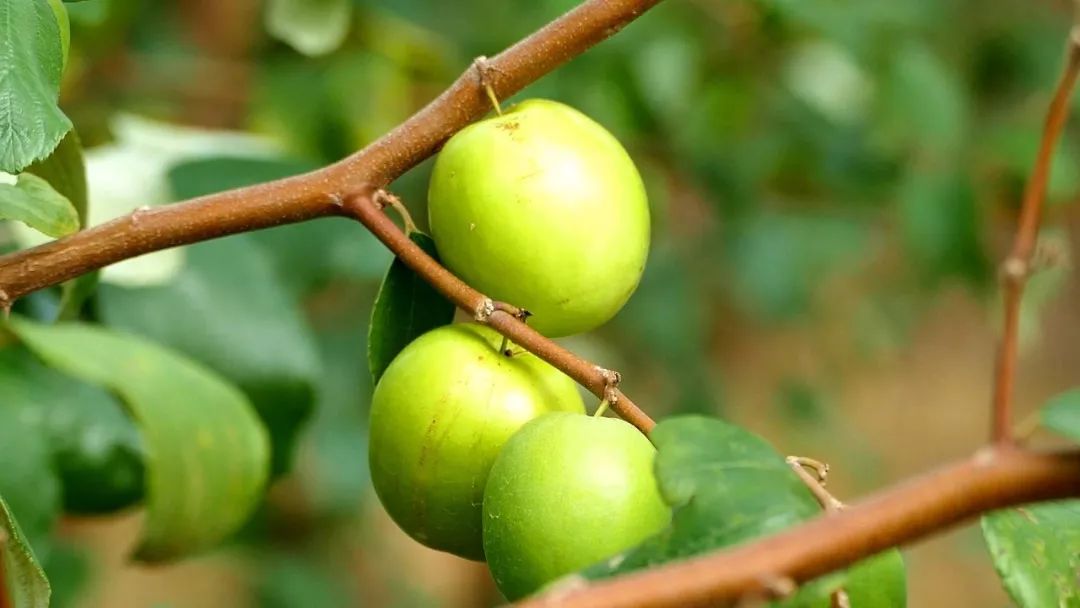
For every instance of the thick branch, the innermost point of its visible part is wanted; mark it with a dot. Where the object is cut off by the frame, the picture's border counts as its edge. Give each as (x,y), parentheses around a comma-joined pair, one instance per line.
(369,213)
(992,479)
(318,193)
(1017,266)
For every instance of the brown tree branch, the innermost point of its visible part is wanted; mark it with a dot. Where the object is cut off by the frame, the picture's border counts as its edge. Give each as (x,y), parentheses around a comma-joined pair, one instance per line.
(319,193)
(367,209)
(1016,268)
(994,478)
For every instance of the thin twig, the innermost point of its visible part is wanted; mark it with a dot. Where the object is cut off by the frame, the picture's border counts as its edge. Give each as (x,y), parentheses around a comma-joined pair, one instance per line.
(319,193)
(815,484)
(931,503)
(1017,266)
(505,319)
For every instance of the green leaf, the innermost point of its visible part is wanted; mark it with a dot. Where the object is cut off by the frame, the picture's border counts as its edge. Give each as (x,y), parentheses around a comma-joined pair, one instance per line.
(1062,414)
(729,486)
(95,447)
(1036,551)
(207,453)
(65,170)
(31,63)
(940,223)
(924,105)
(406,307)
(32,201)
(25,581)
(312,27)
(27,480)
(227,310)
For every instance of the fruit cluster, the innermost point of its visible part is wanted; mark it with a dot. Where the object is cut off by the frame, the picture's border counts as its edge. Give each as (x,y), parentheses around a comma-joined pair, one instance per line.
(487,453)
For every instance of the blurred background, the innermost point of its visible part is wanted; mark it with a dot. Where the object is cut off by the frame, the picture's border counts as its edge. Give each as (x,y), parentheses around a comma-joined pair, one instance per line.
(832,183)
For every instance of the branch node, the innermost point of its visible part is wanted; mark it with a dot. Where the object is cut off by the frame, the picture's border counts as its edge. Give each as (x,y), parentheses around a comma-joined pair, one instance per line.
(484,310)
(1014,269)
(137,213)
(611,380)
(484,69)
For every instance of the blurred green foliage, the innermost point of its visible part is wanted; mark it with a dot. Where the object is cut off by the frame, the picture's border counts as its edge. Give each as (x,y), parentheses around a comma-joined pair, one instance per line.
(790,148)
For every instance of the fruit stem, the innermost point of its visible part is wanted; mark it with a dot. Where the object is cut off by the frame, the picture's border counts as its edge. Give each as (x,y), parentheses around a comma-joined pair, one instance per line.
(602,408)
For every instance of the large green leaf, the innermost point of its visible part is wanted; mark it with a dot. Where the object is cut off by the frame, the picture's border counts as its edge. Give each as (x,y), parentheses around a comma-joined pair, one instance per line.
(207,454)
(24,579)
(27,480)
(406,307)
(1036,550)
(227,310)
(729,486)
(313,27)
(32,201)
(95,447)
(31,63)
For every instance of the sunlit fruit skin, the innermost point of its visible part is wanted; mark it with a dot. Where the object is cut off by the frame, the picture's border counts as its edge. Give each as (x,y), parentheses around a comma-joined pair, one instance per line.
(440,414)
(543,208)
(566,492)
(878,582)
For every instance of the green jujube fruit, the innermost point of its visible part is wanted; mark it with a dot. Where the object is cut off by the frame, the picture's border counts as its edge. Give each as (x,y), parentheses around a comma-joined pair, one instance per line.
(440,414)
(542,207)
(566,492)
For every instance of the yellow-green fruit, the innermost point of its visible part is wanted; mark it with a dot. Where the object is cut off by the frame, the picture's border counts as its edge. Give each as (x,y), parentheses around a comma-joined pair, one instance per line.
(440,414)
(543,208)
(64,24)
(566,492)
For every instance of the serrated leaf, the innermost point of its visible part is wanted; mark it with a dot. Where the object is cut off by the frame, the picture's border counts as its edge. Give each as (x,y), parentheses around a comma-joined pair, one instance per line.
(32,201)
(254,337)
(207,453)
(1036,551)
(406,307)
(729,486)
(1062,414)
(24,579)
(312,27)
(31,63)
(95,448)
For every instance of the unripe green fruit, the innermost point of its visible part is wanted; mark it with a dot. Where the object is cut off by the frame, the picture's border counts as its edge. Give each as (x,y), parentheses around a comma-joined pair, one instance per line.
(566,492)
(440,414)
(543,208)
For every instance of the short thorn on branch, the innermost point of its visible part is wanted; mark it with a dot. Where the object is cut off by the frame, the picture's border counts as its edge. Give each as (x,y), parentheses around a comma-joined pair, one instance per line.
(5,304)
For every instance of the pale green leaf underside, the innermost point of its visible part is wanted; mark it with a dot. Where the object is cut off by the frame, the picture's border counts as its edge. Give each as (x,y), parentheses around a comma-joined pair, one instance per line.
(25,581)
(1062,415)
(312,27)
(207,453)
(1036,550)
(32,201)
(31,63)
